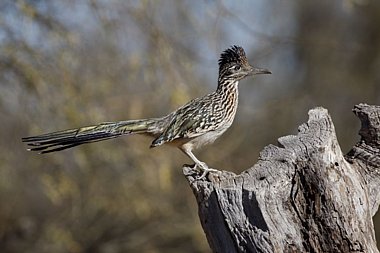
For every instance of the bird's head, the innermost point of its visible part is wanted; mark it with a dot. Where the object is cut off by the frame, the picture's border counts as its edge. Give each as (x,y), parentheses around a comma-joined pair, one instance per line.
(233,65)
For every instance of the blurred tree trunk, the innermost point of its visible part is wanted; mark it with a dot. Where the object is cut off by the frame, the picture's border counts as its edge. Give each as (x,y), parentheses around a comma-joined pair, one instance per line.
(304,196)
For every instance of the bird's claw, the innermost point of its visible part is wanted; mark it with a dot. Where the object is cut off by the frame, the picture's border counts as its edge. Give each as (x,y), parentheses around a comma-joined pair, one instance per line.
(203,167)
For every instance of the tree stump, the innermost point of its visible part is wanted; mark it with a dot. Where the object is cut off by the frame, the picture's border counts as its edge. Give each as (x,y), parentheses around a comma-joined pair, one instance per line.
(302,196)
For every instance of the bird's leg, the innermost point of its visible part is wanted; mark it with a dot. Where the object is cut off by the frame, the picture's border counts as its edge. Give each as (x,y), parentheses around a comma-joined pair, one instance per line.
(201,165)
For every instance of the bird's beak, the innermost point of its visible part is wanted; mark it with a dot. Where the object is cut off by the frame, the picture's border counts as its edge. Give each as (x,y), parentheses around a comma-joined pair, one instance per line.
(257,71)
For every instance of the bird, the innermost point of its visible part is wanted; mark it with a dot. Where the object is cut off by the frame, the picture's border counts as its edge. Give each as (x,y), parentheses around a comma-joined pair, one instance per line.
(197,123)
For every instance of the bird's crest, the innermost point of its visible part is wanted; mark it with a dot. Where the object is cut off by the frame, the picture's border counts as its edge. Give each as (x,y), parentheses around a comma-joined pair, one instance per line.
(234,54)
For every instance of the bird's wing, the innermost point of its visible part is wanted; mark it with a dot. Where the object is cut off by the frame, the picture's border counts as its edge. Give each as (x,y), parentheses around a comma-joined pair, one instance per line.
(197,117)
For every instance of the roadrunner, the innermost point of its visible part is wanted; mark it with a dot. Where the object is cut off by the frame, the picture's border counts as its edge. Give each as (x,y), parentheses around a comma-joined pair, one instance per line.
(197,123)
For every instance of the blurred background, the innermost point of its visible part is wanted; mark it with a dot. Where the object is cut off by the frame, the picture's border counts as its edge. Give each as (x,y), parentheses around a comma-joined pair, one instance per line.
(65,64)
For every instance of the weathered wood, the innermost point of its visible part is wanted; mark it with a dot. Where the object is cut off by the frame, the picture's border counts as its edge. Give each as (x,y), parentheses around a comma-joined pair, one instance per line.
(302,196)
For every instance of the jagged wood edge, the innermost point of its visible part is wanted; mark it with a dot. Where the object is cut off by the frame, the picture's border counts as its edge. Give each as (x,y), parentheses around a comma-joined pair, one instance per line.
(366,153)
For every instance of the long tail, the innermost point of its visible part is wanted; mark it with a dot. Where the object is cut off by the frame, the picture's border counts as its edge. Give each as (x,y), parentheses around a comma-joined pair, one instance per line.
(65,139)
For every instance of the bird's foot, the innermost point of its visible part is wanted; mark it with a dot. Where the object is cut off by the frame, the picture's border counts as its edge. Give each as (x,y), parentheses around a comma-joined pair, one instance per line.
(203,167)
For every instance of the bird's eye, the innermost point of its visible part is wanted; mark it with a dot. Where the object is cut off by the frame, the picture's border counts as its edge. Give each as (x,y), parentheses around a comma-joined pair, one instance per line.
(237,68)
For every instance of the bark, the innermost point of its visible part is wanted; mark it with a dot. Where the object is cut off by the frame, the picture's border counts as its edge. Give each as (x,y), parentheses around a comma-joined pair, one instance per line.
(302,196)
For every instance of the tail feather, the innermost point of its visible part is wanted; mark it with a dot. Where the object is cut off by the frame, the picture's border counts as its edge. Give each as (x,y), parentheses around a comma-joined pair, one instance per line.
(57,141)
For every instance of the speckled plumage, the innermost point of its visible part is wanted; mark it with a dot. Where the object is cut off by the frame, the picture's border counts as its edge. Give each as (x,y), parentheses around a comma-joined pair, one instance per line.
(197,123)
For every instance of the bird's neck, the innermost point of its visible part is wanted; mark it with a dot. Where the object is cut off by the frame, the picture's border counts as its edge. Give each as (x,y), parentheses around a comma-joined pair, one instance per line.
(228,89)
